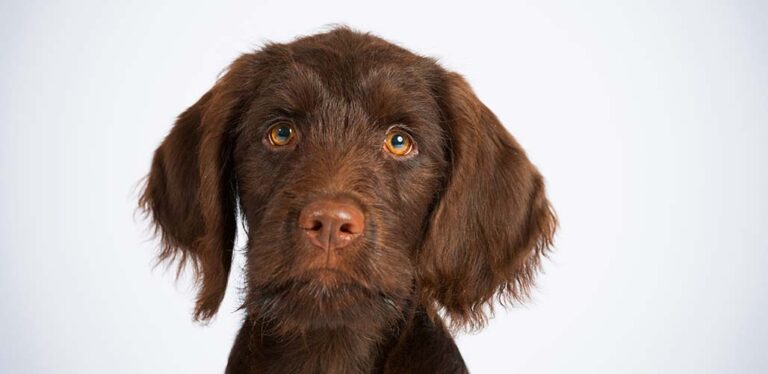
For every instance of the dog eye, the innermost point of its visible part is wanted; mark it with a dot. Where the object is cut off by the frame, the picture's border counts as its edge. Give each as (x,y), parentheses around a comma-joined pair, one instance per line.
(398,143)
(281,134)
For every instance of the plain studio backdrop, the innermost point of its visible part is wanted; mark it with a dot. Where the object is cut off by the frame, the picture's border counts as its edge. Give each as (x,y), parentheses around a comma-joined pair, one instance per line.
(649,122)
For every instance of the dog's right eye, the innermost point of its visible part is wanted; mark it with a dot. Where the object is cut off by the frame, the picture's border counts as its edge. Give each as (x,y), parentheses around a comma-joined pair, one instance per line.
(281,134)
(399,143)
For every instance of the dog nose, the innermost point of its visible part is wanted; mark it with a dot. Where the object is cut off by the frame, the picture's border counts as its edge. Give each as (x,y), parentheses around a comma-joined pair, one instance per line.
(331,224)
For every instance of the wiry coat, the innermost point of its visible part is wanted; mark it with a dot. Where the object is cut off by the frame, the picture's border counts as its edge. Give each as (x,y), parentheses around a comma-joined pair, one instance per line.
(461,223)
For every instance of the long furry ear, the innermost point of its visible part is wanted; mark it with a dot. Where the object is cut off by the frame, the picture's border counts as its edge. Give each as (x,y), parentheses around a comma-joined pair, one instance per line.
(493,221)
(190,192)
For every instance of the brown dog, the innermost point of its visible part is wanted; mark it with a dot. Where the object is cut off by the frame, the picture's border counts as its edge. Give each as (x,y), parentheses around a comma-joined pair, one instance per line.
(377,190)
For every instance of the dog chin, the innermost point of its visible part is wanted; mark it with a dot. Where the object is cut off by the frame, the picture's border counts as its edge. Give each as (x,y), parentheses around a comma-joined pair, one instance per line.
(325,302)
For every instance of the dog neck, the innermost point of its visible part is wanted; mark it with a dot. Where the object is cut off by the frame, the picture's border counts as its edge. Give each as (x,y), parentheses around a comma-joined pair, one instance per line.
(328,350)
(417,343)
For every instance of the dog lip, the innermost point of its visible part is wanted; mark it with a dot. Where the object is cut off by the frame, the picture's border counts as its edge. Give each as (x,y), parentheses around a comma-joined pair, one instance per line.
(330,277)
(326,272)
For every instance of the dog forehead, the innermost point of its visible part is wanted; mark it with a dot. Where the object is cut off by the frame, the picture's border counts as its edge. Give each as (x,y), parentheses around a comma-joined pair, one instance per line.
(347,65)
(345,78)
(381,93)
(342,55)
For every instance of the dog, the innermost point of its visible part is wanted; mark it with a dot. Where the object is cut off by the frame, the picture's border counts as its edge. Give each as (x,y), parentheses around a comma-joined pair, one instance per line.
(385,207)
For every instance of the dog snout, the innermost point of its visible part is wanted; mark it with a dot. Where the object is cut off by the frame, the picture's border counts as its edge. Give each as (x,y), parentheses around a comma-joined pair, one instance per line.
(331,224)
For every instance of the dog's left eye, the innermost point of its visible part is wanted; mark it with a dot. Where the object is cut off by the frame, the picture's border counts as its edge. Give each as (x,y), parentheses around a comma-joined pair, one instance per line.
(281,134)
(398,143)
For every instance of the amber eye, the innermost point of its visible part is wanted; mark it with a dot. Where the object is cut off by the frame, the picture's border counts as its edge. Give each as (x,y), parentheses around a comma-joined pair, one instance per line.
(281,134)
(398,143)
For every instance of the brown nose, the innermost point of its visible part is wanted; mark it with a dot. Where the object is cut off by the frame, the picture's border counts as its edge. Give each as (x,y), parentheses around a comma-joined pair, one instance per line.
(331,224)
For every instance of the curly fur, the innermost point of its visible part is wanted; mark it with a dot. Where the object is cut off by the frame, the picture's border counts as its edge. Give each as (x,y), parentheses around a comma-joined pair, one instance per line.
(463,224)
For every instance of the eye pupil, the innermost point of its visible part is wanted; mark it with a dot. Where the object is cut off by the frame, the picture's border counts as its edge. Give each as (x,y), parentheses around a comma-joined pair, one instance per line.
(283,132)
(398,141)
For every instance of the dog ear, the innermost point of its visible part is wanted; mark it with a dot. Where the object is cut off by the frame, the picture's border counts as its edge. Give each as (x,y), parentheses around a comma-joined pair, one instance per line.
(190,191)
(492,223)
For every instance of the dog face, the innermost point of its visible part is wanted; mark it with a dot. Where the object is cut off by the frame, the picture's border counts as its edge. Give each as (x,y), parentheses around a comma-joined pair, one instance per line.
(337,168)
(369,179)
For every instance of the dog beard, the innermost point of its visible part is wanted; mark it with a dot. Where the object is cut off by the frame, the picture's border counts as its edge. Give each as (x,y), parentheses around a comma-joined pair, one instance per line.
(316,303)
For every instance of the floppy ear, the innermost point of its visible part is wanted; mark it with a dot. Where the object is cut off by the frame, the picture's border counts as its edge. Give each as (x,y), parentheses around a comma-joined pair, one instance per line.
(190,192)
(492,223)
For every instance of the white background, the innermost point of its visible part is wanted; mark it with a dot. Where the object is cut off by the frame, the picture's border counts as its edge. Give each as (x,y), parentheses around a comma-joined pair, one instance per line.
(648,120)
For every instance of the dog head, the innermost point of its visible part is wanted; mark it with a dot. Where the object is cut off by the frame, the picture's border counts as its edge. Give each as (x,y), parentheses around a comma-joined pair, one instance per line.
(369,178)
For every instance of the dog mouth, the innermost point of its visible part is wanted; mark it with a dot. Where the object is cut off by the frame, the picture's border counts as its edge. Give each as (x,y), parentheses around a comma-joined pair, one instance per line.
(321,292)
(325,297)
(323,284)
(330,279)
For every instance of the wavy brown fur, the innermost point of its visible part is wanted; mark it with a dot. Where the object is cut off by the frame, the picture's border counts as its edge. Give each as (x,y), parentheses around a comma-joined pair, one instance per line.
(462,224)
